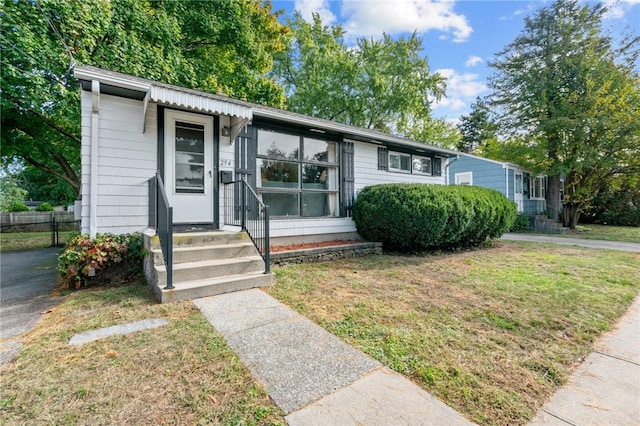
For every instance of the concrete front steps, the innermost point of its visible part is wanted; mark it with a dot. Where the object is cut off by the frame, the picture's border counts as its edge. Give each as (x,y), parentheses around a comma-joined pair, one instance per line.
(205,264)
(542,223)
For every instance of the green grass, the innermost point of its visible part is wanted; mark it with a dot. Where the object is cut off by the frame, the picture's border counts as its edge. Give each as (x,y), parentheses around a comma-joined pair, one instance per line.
(492,333)
(182,373)
(12,241)
(606,232)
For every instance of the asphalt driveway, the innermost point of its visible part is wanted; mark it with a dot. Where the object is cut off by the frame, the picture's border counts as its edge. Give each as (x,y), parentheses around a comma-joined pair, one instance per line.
(27,279)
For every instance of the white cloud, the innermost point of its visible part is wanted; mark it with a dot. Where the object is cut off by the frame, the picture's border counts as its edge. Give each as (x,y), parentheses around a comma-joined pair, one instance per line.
(321,7)
(371,18)
(473,60)
(462,89)
(530,7)
(618,9)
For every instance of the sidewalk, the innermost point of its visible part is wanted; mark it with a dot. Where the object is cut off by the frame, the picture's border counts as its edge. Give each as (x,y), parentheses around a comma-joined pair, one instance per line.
(315,377)
(605,389)
(596,244)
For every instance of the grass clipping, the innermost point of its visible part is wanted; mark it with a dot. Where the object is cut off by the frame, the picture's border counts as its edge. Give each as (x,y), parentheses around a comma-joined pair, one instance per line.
(182,373)
(493,333)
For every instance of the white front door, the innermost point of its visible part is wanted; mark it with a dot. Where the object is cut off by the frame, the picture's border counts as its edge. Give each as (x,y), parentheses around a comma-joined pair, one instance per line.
(517,192)
(188,166)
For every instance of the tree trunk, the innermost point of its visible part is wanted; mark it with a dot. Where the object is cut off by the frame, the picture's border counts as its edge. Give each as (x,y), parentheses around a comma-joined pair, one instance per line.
(553,197)
(570,215)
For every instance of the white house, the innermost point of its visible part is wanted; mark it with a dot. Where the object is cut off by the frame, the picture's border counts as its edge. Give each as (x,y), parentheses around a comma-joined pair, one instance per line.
(307,170)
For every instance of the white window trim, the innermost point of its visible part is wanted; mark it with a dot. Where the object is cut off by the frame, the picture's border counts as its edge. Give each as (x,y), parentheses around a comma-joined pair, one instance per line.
(420,157)
(532,185)
(464,177)
(399,170)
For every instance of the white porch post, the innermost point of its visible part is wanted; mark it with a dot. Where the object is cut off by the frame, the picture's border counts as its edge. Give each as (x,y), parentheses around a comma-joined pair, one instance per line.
(95,121)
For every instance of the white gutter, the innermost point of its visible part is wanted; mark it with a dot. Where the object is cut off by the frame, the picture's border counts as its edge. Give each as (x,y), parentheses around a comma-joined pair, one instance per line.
(506,181)
(446,169)
(95,121)
(82,73)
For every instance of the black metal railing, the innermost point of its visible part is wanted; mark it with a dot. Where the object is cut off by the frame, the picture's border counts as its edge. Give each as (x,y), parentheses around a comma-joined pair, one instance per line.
(161,218)
(242,207)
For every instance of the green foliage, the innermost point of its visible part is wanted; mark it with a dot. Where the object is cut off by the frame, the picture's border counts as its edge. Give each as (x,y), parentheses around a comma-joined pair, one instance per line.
(215,46)
(617,205)
(10,192)
(384,84)
(568,102)
(104,260)
(415,217)
(44,207)
(476,129)
(521,224)
(46,187)
(17,206)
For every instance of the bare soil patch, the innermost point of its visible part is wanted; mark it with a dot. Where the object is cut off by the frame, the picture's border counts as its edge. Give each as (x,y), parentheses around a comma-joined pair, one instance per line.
(291,247)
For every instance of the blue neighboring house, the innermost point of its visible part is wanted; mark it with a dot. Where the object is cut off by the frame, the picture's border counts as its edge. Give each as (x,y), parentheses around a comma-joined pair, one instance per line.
(524,188)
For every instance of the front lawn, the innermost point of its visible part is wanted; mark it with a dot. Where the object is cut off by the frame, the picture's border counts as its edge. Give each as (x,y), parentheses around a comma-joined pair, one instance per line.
(182,373)
(606,232)
(493,333)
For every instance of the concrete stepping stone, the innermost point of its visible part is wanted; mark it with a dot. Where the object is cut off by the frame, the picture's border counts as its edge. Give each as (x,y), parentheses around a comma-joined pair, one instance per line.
(122,329)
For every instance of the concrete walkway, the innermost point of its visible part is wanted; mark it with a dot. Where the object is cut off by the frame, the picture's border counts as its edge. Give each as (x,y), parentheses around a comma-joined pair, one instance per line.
(596,244)
(315,377)
(605,389)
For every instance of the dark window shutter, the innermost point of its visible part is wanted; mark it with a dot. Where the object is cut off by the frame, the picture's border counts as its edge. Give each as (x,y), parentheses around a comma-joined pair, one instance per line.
(383,158)
(437,166)
(347,190)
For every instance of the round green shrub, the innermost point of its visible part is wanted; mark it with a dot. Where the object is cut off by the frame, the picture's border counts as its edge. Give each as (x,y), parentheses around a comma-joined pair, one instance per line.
(44,207)
(415,217)
(521,224)
(17,207)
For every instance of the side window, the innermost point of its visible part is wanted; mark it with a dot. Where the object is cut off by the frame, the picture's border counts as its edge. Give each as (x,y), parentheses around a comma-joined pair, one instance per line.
(399,162)
(422,165)
(464,178)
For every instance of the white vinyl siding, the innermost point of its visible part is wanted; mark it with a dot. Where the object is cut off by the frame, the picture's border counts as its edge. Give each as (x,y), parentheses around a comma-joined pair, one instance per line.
(126,160)
(366,170)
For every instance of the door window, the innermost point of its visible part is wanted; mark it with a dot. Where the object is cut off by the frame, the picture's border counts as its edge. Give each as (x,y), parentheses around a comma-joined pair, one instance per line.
(189,158)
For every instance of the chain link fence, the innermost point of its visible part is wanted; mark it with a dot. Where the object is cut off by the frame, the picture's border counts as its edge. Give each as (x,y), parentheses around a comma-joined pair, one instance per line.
(26,236)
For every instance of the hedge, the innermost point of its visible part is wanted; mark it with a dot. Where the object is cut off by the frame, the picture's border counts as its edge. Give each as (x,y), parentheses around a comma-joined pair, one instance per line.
(416,217)
(105,260)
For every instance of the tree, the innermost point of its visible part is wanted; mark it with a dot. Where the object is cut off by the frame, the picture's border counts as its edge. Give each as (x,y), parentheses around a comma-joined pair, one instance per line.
(10,192)
(383,85)
(476,129)
(570,100)
(209,45)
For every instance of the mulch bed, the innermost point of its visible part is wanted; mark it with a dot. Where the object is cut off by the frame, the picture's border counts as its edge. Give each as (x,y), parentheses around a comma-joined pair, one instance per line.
(291,247)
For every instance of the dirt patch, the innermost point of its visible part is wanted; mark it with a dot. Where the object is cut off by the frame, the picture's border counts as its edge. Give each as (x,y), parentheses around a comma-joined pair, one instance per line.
(292,247)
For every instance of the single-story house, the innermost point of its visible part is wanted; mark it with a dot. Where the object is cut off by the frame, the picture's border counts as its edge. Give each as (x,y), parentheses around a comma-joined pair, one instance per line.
(139,135)
(526,189)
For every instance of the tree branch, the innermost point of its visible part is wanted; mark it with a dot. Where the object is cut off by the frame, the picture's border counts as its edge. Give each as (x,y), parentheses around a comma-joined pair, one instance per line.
(71,180)
(55,127)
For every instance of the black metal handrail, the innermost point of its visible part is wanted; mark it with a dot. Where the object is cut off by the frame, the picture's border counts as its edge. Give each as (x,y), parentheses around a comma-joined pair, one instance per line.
(161,218)
(242,207)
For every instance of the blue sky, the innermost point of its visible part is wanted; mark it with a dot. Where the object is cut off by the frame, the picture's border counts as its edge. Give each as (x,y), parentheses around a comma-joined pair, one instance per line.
(459,37)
